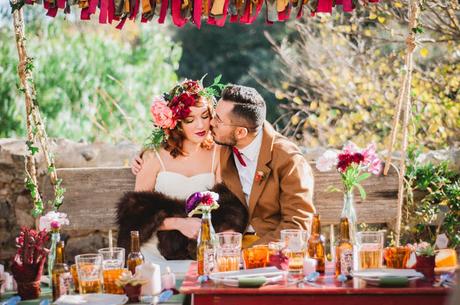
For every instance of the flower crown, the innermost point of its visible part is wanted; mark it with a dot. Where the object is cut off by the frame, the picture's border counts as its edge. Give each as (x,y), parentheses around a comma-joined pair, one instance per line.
(200,202)
(171,107)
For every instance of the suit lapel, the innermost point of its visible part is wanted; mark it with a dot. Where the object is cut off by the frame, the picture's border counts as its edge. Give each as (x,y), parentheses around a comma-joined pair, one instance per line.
(265,156)
(230,175)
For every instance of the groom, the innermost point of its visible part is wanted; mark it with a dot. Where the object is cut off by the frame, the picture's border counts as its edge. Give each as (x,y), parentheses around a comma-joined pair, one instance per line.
(263,168)
(260,166)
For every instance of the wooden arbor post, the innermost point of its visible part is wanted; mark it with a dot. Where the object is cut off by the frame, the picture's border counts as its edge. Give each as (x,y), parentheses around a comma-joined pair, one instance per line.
(404,102)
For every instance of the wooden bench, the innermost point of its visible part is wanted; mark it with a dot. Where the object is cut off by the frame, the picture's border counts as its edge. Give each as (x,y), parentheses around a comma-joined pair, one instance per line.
(91,195)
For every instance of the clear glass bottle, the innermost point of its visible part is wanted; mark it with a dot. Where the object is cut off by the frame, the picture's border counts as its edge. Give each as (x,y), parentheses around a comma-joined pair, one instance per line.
(206,246)
(344,250)
(316,245)
(60,275)
(135,257)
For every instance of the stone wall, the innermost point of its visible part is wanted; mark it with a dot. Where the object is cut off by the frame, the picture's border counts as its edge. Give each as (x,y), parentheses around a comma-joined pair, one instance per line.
(15,203)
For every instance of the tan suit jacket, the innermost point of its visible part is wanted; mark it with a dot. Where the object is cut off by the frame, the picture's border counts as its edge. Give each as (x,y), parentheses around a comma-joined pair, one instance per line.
(287,185)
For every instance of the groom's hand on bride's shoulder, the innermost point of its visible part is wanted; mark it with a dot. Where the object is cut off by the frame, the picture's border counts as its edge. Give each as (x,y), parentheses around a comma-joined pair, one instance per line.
(136,165)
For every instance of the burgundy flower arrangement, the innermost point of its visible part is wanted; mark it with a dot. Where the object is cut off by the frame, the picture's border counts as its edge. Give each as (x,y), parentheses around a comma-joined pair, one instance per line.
(27,264)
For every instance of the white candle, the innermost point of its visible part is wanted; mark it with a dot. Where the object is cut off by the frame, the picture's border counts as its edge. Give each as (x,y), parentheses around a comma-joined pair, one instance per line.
(309,266)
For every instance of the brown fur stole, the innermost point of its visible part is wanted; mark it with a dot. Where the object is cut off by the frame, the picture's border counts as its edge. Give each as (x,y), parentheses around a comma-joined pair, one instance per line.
(145,212)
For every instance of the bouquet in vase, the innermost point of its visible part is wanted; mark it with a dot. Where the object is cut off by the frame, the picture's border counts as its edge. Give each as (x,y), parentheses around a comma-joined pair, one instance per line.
(354,166)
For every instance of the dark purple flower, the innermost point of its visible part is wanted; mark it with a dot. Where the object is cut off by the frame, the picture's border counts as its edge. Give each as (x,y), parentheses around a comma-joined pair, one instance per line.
(192,202)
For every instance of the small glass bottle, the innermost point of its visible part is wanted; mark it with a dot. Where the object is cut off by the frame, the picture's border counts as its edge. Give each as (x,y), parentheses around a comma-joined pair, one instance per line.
(344,250)
(135,257)
(60,276)
(206,246)
(316,245)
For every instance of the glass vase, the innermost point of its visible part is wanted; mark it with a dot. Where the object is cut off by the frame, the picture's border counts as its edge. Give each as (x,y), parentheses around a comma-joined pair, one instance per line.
(349,212)
(55,238)
(206,246)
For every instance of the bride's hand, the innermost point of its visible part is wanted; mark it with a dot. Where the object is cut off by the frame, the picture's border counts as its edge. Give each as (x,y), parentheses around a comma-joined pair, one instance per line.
(136,165)
(189,227)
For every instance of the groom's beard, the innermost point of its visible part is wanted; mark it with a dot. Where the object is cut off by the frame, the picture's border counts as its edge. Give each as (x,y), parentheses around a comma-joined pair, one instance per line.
(230,141)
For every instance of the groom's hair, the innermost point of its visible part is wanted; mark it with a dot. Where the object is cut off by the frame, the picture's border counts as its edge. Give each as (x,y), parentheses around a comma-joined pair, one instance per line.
(249,105)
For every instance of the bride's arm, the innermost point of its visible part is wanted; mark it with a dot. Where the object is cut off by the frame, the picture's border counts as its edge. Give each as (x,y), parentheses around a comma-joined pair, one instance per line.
(146,178)
(187,226)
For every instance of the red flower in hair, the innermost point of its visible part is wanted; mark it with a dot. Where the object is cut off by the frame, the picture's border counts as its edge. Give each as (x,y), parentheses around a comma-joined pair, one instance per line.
(180,105)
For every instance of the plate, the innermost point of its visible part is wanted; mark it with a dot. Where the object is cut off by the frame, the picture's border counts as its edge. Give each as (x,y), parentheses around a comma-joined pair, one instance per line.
(92,299)
(388,277)
(232,278)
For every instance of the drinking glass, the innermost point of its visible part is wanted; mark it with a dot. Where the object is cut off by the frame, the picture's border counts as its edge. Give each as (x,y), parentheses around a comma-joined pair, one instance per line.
(113,261)
(89,269)
(294,248)
(370,249)
(228,251)
(256,257)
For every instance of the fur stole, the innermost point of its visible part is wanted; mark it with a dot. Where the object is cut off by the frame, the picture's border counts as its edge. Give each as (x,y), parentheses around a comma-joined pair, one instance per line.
(145,212)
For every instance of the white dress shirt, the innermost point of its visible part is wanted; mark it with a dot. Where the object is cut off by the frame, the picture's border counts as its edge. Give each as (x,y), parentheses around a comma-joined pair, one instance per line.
(250,155)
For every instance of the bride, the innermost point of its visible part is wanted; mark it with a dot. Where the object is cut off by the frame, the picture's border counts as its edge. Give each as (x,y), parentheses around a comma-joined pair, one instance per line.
(181,160)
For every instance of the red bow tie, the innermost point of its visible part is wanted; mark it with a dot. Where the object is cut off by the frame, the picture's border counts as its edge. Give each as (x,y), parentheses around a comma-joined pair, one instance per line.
(239,156)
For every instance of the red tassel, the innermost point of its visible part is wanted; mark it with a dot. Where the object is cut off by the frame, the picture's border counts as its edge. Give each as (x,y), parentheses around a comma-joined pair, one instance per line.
(197,8)
(103,12)
(87,12)
(220,21)
(177,18)
(163,11)
(111,10)
(135,10)
(121,24)
(324,6)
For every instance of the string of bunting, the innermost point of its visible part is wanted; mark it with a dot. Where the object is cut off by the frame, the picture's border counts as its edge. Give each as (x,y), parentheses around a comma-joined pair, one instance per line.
(215,12)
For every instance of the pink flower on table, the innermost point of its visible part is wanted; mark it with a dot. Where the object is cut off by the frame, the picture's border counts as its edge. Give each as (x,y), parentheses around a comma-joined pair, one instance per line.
(350,148)
(53,221)
(375,166)
(162,114)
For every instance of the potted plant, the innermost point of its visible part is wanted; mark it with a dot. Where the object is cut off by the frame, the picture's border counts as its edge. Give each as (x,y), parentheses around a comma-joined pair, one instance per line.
(131,285)
(425,259)
(28,263)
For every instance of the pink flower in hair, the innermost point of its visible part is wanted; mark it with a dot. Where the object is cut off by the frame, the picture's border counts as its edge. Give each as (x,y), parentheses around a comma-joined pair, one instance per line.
(162,114)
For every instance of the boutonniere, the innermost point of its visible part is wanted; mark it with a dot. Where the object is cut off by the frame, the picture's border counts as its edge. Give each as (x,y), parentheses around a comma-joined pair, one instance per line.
(260,176)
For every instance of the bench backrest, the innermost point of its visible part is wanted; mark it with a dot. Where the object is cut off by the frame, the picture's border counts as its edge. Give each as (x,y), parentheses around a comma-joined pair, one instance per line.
(91,195)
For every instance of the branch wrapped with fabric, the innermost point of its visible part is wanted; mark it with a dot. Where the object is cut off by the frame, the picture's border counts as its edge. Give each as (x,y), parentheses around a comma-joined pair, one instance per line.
(146,211)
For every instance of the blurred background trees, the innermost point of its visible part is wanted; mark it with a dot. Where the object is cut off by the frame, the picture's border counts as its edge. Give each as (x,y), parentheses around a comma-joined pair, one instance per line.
(326,79)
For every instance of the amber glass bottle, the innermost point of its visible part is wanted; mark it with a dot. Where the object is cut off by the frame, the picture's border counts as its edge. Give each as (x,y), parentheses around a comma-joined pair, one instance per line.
(344,250)
(206,247)
(60,275)
(135,257)
(316,245)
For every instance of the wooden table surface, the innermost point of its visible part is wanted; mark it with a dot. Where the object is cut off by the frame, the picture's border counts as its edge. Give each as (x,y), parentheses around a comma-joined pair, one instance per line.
(328,291)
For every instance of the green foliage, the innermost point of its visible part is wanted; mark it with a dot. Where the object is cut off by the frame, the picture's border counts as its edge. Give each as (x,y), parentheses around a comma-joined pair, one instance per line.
(93,83)
(439,188)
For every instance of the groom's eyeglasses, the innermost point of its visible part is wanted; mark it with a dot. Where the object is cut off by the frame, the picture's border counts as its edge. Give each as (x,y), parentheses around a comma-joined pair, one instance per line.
(220,122)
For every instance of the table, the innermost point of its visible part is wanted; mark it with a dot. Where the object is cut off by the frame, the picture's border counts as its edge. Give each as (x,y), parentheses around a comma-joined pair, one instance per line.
(46,294)
(329,292)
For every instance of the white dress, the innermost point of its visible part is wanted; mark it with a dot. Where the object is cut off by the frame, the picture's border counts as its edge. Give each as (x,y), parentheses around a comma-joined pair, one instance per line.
(181,187)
